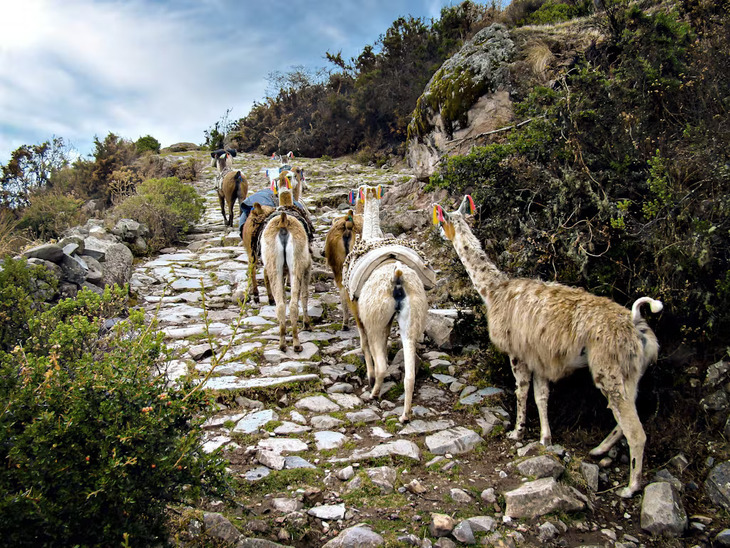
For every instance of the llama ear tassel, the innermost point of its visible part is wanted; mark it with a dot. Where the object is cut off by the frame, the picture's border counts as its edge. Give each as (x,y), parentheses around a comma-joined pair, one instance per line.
(467,206)
(438,214)
(472,207)
(273,186)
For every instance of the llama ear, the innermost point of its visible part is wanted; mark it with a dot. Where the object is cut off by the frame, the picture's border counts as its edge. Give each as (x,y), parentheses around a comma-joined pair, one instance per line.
(467,206)
(257,207)
(379,192)
(438,214)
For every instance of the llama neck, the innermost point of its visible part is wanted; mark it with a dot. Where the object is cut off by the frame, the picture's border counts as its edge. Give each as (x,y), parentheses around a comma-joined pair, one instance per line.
(371,220)
(484,273)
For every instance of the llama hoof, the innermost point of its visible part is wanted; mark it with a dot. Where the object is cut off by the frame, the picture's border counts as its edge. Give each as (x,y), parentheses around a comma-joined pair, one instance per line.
(345,328)
(366,396)
(596,452)
(298,348)
(625,493)
(403,419)
(515,435)
(282,347)
(272,302)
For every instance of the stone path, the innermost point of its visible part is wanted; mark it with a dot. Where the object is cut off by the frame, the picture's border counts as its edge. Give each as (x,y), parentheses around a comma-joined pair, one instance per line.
(193,290)
(281,413)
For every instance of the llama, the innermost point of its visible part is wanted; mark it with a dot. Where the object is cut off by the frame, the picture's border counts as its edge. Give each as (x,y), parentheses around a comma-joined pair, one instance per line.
(386,280)
(296,179)
(338,243)
(285,248)
(549,330)
(234,186)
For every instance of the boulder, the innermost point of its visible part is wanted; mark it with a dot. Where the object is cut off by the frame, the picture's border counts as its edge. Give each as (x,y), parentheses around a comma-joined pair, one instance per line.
(662,512)
(360,537)
(464,99)
(540,497)
(117,265)
(47,252)
(717,485)
(73,269)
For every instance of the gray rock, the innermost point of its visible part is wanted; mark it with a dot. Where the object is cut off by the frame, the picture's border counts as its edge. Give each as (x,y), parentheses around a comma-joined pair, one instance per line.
(219,527)
(258,543)
(590,474)
(403,448)
(283,445)
(441,525)
(255,474)
(117,265)
(366,415)
(346,401)
(662,513)
(95,273)
(463,533)
(459,495)
(47,252)
(383,477)
(717,401)
(73,269)
(328,512)
(439,328)
(457,440)
(325,422)
(541,467)
(422,427)
(356,537)
(270,459)
(317,404)
(717,485)
(96,247)
(345,474)
(253,422)
(540,497)
(547,532)
(286,506)
(291,462)
(723,538)
(482,524)
(329,440)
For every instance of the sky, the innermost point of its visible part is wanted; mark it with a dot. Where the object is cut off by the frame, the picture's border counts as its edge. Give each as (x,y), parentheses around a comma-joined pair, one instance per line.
(77,69)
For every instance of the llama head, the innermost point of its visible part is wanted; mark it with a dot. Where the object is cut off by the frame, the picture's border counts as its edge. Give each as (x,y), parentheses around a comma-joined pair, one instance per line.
(446,220)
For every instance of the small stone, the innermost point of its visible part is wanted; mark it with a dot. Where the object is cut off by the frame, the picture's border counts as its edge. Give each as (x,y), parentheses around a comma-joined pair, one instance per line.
(459,495)
(441,525)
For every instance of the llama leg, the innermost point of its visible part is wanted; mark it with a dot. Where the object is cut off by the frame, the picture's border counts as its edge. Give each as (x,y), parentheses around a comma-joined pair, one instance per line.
(522,380)
(304,298)
(541,389)
(277,286)
(378,347)
(365,347)
(409,379)
(345,308)
(230,211)
(296,287)
(269,292)
(605,446)
(628,419)
(222,200)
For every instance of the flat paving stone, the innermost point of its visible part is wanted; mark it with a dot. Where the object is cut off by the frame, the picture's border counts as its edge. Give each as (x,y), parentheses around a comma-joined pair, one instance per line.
(455,440)
(283,445)
(229,382)
(317,404)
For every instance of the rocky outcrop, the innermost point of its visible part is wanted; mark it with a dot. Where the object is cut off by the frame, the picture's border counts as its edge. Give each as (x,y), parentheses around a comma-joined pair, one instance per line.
(87,257)
(466,97)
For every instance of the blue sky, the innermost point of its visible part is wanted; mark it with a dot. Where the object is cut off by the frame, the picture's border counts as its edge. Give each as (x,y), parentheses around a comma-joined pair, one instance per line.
(170,69)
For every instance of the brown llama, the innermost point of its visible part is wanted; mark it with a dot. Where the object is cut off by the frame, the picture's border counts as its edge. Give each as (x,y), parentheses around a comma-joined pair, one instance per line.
(386,280)
(285,250)
(340,239)
(251,238)
(549,330)
(233,187)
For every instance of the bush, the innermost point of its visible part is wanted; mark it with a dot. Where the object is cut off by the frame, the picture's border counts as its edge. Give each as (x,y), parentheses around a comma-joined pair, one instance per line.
(167,207)
(49,214)
(147,144)
(93,445)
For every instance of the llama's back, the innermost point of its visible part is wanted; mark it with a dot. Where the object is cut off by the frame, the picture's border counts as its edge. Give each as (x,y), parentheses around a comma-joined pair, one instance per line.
(560,328)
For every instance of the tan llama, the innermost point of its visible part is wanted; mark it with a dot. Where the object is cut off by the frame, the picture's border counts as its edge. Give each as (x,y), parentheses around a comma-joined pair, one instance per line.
(233,187)
(549,330)
(339,241)
(386,280)
(285,250)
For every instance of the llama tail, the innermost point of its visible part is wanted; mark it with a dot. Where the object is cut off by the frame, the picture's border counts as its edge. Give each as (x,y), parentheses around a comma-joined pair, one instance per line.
(654,305)
(399,293)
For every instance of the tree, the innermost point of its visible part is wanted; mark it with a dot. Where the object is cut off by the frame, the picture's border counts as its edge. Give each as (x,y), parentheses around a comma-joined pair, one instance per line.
(147,144)
(31,168)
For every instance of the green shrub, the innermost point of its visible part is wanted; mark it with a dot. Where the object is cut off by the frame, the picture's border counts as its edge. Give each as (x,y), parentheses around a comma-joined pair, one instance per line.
(49,214)
(93,445)
(17,284)
(147,144)
(167,207)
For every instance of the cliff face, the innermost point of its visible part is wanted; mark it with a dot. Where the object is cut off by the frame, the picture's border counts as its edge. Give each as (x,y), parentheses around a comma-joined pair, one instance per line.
(470,97)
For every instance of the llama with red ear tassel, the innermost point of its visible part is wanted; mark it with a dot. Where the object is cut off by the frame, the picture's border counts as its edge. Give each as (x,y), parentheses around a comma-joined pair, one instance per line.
(549,330)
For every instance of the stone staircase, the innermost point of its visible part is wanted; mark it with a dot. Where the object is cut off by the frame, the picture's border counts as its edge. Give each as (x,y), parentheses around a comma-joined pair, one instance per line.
(280,412)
